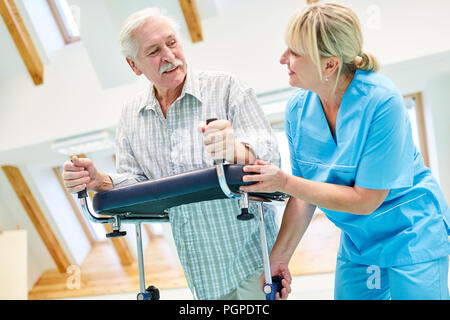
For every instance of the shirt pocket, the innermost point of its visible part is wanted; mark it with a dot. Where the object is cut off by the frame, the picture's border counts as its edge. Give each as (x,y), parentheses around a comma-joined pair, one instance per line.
(327,172)
(188,152)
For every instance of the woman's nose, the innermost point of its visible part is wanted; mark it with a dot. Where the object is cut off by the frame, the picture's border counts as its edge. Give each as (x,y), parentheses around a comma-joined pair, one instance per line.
(283,59)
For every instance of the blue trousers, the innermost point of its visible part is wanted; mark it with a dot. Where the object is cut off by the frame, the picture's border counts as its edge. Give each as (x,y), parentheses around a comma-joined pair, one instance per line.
(422,281)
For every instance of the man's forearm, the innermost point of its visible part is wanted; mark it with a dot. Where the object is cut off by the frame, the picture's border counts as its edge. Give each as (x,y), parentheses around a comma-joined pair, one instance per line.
(243,154)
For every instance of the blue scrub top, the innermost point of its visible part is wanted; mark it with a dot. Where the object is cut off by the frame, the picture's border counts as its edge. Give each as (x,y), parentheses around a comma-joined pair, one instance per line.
(373,148)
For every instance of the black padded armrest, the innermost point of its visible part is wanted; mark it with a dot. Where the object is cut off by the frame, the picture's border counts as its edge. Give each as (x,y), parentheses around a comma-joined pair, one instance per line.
(155,196)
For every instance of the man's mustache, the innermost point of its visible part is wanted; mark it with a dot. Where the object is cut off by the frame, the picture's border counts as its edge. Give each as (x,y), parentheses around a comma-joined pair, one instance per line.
(170,66)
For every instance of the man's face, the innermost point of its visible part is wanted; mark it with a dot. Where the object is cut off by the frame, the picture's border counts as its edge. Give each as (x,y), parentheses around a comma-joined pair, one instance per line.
(160,57)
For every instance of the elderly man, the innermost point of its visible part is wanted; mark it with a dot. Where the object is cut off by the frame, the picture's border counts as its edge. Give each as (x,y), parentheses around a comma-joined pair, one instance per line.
(160,134)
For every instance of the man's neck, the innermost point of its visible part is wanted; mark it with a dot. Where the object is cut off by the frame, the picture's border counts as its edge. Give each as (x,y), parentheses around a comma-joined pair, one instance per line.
(166,97)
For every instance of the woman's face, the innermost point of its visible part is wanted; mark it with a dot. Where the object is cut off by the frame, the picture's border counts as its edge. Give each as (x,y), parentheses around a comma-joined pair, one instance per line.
(302,71)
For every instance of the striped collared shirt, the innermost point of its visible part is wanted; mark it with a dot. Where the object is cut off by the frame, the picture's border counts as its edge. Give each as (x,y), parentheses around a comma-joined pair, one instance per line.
(216,250)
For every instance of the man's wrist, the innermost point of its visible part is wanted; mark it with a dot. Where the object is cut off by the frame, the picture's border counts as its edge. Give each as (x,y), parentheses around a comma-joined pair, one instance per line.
(105,183)
(243,153)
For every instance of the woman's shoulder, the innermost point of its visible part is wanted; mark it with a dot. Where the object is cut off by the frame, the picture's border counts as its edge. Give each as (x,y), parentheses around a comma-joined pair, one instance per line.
(297,99)
(376,84)
(382,97)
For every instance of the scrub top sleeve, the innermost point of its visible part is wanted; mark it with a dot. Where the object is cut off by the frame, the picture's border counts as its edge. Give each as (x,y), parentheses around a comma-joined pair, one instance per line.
(387,160)
(289,135)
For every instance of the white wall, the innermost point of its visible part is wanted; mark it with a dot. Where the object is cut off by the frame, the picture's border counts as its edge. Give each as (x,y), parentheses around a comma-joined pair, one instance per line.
(438,97)
(247,38)
(13,214)
(70,102)
(428,75)
(13,265)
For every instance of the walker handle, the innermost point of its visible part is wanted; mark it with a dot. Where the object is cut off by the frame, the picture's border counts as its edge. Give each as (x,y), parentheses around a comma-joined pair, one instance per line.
(211,120)
(82,194)
(271,289)
(277,281)
(217,161)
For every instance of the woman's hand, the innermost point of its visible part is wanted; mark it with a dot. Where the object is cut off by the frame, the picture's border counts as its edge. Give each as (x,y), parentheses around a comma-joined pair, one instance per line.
(270,178)
(280,268)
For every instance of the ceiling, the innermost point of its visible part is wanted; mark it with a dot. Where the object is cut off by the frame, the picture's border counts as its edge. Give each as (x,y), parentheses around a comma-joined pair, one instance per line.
(100,24)
(10,61)
(222,20)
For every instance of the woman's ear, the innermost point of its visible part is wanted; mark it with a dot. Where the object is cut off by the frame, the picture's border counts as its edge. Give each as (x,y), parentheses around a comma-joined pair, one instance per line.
(330,66)
(134,67)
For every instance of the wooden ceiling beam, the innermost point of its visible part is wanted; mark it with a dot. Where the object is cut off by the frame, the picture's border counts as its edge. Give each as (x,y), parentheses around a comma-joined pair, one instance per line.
(194,24)
(37,217)
(22,39)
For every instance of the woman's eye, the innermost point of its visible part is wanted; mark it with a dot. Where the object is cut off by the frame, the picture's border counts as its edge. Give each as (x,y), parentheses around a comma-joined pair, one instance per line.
(292,53)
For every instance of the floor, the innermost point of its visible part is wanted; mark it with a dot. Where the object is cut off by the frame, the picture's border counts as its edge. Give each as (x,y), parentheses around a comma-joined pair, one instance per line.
(308,287)
(102,274)
(103,277)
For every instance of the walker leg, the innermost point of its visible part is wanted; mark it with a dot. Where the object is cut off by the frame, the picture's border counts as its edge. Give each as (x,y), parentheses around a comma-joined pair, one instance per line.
(243,203)
(272,285)
(151,293)
(140,256)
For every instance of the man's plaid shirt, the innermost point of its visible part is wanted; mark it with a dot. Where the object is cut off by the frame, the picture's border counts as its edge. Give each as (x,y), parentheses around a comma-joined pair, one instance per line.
(216,250)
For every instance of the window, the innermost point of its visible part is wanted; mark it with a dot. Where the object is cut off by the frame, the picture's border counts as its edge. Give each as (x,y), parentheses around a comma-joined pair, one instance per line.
(414,106)
(66,20)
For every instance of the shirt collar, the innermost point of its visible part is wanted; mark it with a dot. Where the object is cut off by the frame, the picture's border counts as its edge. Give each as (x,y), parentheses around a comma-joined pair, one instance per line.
(191,87)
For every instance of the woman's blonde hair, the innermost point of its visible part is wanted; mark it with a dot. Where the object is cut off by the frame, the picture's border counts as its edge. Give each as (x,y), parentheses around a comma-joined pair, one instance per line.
(329,30)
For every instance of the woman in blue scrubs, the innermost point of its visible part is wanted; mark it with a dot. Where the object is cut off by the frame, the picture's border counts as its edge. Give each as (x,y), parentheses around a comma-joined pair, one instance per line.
(352,155)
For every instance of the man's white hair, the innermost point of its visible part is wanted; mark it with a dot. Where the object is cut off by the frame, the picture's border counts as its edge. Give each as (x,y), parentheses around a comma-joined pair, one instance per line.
(128,43)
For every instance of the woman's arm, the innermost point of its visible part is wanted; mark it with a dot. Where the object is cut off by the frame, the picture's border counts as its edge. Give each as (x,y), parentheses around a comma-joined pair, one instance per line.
(334,197)
(296,219)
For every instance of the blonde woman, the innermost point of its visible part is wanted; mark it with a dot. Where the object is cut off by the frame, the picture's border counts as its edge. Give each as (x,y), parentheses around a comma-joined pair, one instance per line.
(353,155)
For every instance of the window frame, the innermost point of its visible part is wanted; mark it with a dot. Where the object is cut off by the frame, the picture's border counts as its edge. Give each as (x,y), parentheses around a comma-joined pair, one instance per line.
(60,22)
(418,102)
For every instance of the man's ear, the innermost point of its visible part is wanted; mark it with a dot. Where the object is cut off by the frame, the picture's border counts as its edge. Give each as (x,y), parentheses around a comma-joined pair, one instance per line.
(134,67)
(330,66)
